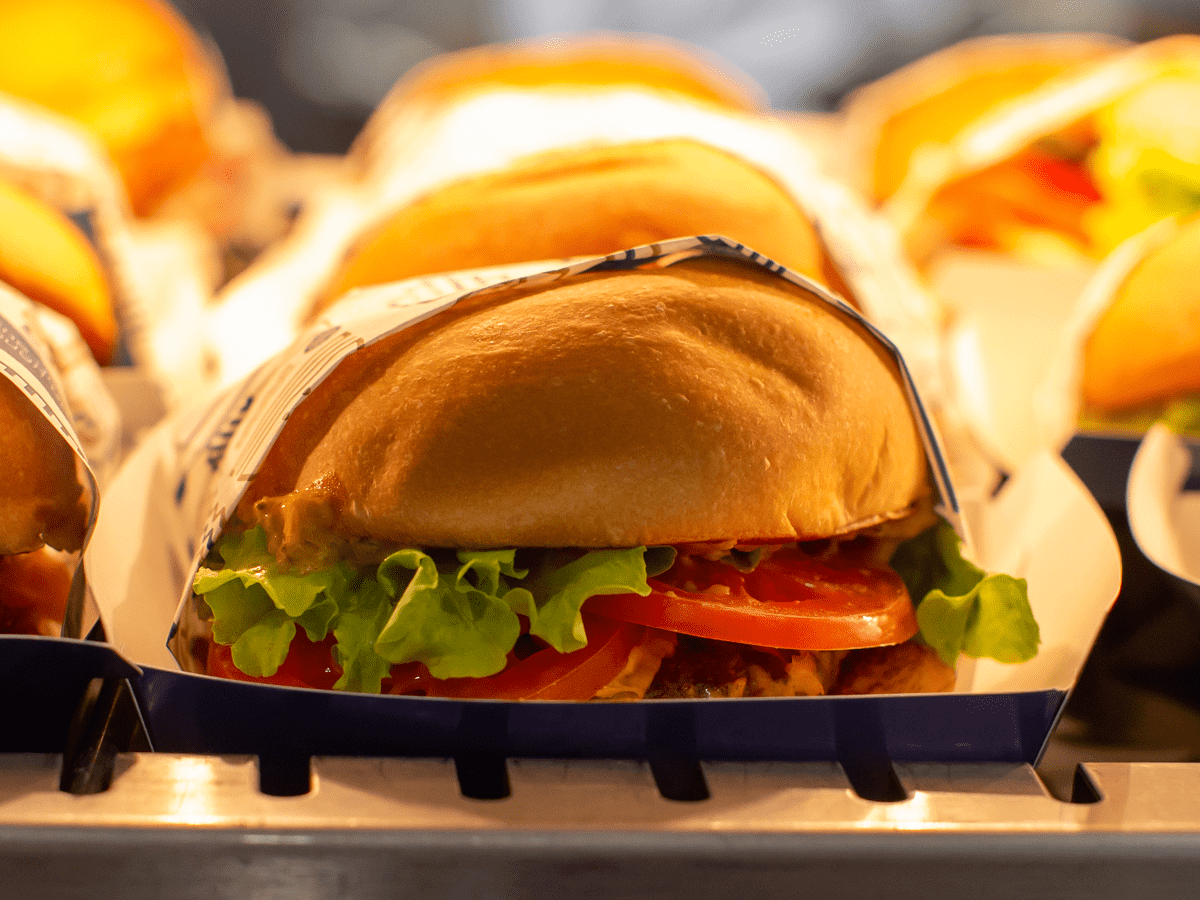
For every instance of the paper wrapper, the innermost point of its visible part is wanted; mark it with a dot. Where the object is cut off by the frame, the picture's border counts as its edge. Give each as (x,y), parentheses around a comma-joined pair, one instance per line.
(261,312)
(167,507)
(1164,514)
(1015,348)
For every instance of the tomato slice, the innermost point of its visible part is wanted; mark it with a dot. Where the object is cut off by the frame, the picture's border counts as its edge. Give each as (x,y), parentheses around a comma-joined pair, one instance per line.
(550,675)
(790,601)
(1032,188)
(308,664)
(543,675)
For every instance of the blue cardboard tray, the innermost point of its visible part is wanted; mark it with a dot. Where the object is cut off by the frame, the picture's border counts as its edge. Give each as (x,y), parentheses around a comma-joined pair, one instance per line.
(42,680)
(197,714)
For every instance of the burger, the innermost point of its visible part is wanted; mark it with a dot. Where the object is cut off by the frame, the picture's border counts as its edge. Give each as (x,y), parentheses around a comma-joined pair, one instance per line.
(584,201)
(936,98)
(1141,362)
(131,72)
(1063,163)
(43,517)
(45,256)
(689,479)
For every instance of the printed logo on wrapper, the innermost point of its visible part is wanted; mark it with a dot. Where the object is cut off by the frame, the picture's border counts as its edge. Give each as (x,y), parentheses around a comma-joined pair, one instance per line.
(229,444)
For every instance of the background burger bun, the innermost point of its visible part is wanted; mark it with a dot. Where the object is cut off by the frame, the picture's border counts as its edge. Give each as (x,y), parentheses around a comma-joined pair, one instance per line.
(41,500)
(600,60)
(1146,346)
(704,401)
(47,258)
(633,194)
(132,72)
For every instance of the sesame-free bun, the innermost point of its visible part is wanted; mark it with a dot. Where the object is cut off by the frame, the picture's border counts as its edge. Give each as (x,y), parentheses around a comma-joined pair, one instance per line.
(45,256)
(585,201)
(597,59)
(703,401)
(132,72)
(41,500)
(1146,346)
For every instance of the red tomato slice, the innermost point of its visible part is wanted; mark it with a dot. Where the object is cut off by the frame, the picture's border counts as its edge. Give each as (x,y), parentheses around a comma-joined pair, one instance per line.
(307,664)
(544,675)
(790,601)
(550,675)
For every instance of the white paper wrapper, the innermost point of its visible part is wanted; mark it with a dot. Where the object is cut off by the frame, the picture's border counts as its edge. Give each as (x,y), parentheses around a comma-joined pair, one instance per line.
(1163,517)
(259,313)
(168,504)
(1015,348)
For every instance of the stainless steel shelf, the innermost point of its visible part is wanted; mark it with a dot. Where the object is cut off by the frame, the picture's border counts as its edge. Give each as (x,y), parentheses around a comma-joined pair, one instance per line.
(187,826)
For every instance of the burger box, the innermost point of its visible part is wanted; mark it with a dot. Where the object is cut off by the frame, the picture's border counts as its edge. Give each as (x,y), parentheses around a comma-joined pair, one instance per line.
(44,678)
(167,505)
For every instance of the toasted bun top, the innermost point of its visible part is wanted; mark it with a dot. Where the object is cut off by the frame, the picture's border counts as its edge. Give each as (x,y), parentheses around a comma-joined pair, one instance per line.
(130,71)
(1146,346)
(705,401)
(48,259)
(41,501)
(588,60)
(585,202)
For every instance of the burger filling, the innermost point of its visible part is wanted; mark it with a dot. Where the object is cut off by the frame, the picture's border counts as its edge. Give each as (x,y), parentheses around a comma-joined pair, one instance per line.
(1087,187)
(285,599)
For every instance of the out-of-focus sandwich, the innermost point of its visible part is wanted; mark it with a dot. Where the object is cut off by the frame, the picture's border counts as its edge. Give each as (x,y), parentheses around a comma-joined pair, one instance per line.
(1067,168)
(132,72)
(1142,360)
(46,257)
(585,201)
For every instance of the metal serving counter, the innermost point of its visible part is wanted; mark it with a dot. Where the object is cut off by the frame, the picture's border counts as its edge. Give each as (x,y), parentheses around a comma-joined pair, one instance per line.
(191,826)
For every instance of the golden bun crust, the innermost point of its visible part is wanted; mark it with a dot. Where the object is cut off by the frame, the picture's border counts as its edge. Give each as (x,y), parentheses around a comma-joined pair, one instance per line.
(45,256)
(935,98)
(1146,346)
(704,401)
(132,72)
(584,202)
(41,500)
(588,60)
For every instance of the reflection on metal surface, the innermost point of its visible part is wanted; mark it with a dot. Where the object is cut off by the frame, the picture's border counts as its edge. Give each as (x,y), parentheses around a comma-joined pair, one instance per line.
(164,791)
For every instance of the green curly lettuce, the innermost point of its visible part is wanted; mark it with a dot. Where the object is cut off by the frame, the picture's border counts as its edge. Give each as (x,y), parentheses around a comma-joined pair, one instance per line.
(961,608)
(456,613)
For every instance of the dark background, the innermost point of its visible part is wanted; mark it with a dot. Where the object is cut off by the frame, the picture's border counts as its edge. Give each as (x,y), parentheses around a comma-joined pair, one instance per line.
(320,66)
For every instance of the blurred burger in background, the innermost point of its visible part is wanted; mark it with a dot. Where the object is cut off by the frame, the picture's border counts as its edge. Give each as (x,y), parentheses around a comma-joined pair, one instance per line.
(135,75)
(1084,151)
(584,201)
(46,257)
(1141,363)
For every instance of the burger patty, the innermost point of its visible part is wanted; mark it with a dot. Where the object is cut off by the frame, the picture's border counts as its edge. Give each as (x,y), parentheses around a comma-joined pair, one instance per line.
(703,668)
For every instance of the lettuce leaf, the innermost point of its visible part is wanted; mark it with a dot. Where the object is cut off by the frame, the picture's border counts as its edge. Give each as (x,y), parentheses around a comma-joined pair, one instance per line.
(457,615)
(1181,415)
(961,608)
